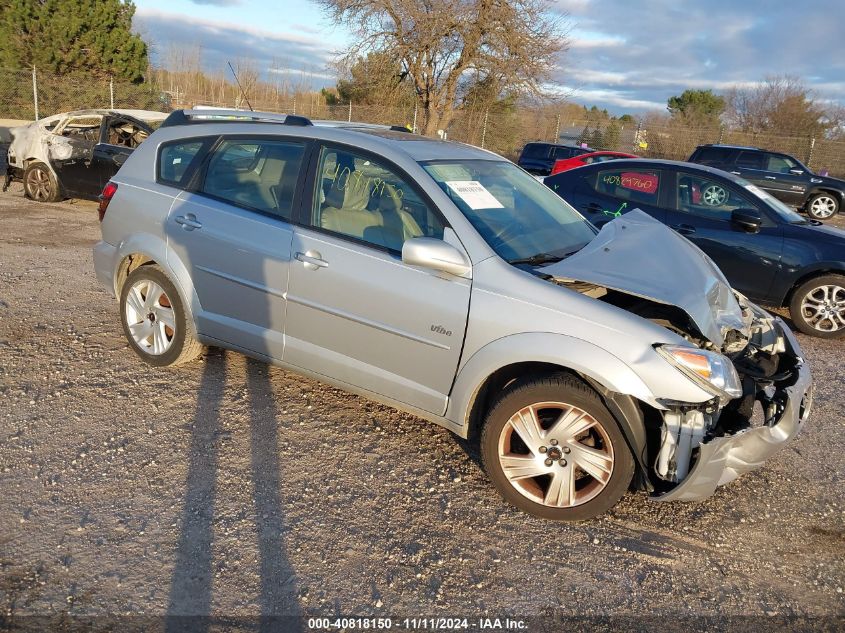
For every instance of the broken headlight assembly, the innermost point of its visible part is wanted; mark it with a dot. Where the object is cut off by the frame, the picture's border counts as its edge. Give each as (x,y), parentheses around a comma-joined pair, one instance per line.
(712,372)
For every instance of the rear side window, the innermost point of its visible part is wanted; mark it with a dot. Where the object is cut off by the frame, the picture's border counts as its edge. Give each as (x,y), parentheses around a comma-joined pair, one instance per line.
(566,152)
(175,159)
(536,150)
(711,155)
(750,160)
(636,185)
(257,174)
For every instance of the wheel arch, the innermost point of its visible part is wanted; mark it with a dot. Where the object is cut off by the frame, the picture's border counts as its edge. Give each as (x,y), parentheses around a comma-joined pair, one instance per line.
(144,249)
(818,270)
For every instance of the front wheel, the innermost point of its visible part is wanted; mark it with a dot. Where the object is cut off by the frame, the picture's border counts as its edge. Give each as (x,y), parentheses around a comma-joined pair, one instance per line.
(822,206)
(552,448)
(154,319)
(818,306)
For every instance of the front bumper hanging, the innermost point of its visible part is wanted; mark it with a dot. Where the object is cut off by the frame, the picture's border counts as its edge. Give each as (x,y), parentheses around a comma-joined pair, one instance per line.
(723,459)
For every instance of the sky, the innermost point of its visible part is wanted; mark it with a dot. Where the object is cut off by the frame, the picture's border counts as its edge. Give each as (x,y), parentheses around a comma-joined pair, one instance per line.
(624,56)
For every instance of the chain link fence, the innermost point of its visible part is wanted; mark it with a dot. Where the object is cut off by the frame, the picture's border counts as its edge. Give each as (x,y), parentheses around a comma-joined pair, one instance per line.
(28,94)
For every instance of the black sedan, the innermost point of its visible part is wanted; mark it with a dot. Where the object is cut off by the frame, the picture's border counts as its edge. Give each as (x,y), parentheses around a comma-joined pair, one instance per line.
(767,251)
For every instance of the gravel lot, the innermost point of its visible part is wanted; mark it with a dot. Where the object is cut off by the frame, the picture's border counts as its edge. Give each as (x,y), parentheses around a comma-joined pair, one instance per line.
(232,489)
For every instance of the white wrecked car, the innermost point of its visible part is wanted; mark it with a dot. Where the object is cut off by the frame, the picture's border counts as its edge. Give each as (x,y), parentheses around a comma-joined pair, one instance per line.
(75,153)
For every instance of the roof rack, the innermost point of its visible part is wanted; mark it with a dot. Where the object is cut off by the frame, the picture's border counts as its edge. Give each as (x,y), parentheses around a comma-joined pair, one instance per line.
(188,117)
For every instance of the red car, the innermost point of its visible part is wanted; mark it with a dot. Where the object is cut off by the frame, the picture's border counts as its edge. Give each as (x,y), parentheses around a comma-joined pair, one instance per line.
(565,164)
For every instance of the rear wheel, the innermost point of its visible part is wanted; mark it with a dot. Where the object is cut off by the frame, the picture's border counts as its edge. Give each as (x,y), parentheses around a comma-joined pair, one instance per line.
(822,206)
(552,448)
(40,184)
(154,319)
(818,306)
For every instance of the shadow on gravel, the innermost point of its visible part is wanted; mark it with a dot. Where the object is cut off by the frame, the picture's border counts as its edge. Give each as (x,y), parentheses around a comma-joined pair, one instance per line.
(191,585)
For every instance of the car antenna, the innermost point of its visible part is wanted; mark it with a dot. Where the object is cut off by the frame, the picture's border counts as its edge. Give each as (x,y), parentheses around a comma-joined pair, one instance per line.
(241,87)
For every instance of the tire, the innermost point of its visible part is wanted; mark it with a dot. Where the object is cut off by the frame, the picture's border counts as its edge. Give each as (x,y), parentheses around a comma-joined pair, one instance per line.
(817,306)
(543,475)
(822,206)
(40,184)
(162,335)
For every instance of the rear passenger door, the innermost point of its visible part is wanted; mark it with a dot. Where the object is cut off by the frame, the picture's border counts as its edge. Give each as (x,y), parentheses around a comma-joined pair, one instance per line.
(231,228)
(356,312)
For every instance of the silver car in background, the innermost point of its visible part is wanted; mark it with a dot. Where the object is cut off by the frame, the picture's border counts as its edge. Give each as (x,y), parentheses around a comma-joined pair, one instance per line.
(445,281)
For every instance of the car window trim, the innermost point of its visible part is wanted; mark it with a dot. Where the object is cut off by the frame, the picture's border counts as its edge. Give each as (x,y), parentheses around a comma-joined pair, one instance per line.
(198,178)
(306,210)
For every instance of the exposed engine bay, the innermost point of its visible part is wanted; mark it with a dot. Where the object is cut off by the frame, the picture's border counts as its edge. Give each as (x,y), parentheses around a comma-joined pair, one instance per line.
(718,320)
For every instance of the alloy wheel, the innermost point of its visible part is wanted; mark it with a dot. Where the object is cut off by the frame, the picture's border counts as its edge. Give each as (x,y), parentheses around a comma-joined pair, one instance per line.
(823,207)
(714,195)
(824,308)
(150,317)
(38,184)
(556,454)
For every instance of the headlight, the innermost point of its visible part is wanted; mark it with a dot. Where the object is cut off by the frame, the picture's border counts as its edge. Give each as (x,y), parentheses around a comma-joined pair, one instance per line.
(710,371)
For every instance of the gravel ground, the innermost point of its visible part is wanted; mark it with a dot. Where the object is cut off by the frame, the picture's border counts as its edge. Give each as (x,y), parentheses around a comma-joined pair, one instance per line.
(233,489)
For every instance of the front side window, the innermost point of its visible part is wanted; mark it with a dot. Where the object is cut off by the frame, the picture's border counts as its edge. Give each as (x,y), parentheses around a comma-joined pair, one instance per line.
(257,174)
(640,186)
(518,216)
(781,164)
(360,198)
(707,198)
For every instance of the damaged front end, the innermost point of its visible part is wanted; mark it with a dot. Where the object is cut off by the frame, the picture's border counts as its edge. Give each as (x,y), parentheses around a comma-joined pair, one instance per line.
(747,359)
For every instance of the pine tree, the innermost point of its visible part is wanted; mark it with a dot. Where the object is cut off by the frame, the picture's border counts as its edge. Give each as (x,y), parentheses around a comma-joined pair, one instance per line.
(68,36)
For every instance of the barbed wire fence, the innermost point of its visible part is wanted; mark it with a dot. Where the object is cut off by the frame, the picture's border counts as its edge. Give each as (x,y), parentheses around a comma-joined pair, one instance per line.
(31,94)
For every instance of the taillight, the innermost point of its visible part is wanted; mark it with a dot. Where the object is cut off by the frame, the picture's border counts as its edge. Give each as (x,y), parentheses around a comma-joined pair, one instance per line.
(108,193)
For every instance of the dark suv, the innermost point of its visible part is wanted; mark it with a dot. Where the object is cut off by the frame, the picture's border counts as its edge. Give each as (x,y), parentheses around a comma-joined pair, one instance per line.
(782,175)
(539,158)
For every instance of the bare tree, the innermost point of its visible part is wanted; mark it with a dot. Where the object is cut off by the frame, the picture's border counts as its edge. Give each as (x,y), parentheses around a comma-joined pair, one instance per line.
(782,105)
(438,43)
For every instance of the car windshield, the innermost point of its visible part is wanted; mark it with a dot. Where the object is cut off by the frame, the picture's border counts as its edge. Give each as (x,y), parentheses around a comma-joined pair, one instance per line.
(520,218)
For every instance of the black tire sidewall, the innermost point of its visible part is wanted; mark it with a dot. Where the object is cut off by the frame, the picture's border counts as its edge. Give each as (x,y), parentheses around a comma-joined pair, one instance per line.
(797,298)
(813,199)
(153,273)
(567,390)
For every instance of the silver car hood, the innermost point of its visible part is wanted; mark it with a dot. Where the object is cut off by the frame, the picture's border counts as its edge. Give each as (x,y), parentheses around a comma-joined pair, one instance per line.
(640,256)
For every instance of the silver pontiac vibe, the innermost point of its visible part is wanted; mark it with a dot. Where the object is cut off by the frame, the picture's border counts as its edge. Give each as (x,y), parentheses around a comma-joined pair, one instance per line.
(445,281)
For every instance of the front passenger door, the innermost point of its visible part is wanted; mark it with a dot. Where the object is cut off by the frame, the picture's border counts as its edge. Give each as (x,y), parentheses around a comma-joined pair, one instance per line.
(700,209)
(356,312)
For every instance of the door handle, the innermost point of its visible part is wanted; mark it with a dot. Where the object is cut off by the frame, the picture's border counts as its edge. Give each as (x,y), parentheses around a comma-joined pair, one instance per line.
(594,207)
(188,222)
(684,229)
(736,173)
(312,260)
(769,177)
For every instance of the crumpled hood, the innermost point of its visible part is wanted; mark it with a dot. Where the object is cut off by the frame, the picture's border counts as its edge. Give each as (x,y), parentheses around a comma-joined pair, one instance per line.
(638,255)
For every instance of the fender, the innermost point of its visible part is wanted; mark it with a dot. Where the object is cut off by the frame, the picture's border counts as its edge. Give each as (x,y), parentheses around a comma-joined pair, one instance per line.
(781,292)
(157,249)
(576,354)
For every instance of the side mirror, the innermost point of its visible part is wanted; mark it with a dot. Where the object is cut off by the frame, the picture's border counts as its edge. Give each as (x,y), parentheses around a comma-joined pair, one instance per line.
(796,172)
(428,252)
(748,219)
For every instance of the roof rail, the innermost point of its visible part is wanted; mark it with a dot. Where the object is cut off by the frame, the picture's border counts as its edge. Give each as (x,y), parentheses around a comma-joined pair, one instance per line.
(187,117)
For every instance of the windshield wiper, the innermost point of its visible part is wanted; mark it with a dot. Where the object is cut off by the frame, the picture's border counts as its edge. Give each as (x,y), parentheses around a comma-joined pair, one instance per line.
(541,258)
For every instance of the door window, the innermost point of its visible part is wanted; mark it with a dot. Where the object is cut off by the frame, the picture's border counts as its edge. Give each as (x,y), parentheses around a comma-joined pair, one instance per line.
(781,164)
(125,133)
(362,199)
(749,160)
(257,174)
(638,186)
(708,198)
(175,159)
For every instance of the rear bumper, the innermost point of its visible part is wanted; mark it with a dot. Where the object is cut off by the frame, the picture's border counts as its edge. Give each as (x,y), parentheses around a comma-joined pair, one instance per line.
(723,459)
(105,256)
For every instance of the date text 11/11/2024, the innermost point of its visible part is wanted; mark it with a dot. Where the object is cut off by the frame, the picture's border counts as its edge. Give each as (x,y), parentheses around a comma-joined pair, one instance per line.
(417,624)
